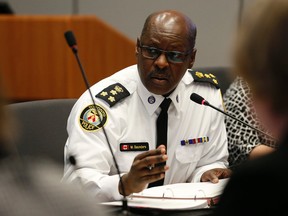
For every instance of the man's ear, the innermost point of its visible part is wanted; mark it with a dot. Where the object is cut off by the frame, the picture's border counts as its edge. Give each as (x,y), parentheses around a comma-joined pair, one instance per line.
(192,57)
(137,46)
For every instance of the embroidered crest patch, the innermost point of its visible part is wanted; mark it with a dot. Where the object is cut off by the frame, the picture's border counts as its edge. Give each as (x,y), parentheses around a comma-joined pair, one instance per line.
(92,120)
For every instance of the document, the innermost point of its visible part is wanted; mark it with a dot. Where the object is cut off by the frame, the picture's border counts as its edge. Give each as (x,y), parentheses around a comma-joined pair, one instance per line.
(177,196)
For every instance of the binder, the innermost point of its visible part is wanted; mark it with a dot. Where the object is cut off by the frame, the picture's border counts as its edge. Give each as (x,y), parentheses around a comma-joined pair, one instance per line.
(177,196)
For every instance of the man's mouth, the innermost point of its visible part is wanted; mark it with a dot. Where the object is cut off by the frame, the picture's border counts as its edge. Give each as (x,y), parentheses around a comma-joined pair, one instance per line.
(159,77)
(159,80)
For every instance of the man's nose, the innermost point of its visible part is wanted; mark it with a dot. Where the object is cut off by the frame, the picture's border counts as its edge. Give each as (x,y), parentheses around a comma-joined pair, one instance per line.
(162,61)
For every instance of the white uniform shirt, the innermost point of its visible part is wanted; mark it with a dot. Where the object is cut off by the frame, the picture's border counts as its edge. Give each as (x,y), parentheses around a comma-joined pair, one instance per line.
(133,120)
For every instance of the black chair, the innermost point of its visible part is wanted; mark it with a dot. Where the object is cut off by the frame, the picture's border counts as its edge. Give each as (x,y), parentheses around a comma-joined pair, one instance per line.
(41,127)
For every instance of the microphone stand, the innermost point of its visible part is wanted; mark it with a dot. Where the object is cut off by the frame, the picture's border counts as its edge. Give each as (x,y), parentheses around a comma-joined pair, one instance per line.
(74,48)
(206,103)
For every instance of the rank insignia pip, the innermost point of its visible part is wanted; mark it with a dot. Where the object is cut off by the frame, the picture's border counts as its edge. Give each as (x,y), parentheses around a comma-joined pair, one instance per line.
(194,141)
(113,94)
(92,120)
(205,77)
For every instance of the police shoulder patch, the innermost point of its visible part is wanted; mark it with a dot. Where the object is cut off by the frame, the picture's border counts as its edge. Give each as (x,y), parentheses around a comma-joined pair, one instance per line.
(113,94)
(92,118)
(205,77)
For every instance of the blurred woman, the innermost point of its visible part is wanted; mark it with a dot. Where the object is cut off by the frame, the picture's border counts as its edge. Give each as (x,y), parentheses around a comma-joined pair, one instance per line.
(244,143)
(259,186)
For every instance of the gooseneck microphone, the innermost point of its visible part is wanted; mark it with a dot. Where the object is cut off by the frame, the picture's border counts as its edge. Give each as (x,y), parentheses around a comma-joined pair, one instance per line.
(73,45)
(71,40)
(200,100)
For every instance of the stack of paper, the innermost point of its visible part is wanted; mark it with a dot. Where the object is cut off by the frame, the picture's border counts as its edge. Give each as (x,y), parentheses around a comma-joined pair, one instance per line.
(177,196)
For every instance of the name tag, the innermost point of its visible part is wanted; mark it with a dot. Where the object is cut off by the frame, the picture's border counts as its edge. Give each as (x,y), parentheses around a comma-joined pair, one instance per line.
(138,146)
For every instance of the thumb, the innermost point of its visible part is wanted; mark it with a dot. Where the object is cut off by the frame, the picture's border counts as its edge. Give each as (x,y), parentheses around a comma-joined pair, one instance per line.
(213,178)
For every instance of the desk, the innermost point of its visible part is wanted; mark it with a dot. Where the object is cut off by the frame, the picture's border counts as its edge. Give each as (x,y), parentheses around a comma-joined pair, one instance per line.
(116,210)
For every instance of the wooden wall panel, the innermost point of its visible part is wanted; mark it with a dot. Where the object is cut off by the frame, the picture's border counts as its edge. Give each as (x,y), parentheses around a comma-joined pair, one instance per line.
(37,63)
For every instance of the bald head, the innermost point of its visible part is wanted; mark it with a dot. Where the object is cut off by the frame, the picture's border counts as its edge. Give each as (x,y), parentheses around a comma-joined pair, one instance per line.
(170,20)
(171,35)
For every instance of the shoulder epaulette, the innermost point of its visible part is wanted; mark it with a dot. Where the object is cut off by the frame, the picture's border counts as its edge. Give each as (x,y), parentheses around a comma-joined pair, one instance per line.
(205,77)
(113,94)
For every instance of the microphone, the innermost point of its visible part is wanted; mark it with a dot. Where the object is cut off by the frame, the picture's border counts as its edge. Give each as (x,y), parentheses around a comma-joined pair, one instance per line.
(200,100)
(71,40)
(72,160)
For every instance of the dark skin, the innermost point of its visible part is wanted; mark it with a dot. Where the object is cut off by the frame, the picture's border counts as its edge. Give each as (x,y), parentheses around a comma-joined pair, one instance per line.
(166,30)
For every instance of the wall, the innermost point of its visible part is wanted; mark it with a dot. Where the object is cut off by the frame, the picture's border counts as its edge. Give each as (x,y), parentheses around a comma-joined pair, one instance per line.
(216,19)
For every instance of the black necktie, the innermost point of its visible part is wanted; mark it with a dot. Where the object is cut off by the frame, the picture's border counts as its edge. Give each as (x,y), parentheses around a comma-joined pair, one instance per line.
(162,125)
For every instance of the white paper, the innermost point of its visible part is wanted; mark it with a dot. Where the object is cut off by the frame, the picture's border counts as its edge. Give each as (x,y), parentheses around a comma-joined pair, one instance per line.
(175,196)
(185,190)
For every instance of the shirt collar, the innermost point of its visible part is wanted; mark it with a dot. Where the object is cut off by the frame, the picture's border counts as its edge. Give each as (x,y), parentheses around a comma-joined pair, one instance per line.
(152,101)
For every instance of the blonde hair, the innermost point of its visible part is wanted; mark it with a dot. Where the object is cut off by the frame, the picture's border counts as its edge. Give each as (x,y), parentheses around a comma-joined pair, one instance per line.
(261,51)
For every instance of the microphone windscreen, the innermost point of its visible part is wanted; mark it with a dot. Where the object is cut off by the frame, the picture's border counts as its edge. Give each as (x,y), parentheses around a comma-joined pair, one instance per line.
(72,160)
(197,98)
(71,40)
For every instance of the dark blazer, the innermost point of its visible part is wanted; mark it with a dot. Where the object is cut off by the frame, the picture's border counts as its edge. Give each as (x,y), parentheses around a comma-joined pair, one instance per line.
(258,187)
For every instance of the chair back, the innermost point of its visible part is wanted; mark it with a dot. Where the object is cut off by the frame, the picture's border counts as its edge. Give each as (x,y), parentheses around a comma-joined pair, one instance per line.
(41,127)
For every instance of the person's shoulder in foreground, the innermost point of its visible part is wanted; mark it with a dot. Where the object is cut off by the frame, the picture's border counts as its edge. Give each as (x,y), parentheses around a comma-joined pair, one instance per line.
(30,187)
(127,110)
(258,186)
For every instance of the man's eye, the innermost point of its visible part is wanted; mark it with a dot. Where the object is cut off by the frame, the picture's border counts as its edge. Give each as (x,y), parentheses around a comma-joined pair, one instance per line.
(152,51)
(174,55)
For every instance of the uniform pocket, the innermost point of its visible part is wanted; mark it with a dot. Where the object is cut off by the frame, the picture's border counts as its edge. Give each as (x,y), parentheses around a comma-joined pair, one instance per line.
(189,153)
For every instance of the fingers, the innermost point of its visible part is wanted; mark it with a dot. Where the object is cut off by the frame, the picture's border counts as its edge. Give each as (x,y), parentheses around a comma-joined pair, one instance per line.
(147,167)
(155,173)
(156,167)
(152,157)
(154,177)
(150,162)
(160,150)
(215,174)
(213,178)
